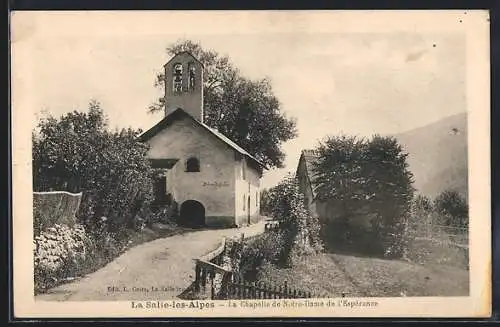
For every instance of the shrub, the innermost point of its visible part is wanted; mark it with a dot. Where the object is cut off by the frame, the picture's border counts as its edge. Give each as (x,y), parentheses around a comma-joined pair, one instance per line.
(77,153)
(266,248)
(300,229)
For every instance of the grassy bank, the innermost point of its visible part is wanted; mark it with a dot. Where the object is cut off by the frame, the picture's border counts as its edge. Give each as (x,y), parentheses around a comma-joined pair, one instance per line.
(335,275)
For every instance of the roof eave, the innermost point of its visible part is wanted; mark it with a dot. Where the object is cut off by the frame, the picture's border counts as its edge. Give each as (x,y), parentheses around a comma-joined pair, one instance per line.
(189,53)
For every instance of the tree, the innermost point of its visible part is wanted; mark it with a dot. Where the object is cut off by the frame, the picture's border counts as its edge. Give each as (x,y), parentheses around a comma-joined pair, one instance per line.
(338,176)
(453,208)
(244,110)
(360,177)
(77,153)
(390,183)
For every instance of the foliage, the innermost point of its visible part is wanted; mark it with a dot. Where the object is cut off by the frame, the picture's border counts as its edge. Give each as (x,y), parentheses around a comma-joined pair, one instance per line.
(453,207)
(244,110)
(77,153)
(265,204)
(301,229)
(263,249)
(367,177)
(58,252)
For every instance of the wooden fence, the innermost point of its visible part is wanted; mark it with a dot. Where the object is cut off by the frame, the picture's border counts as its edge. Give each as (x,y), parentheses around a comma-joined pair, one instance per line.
(215,280)
(240,289)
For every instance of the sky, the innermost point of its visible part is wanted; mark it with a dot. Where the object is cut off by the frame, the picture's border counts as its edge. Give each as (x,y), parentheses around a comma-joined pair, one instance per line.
(357,81)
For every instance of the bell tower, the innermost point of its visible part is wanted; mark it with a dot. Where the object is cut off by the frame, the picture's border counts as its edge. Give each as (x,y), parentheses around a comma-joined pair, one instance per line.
(184,85)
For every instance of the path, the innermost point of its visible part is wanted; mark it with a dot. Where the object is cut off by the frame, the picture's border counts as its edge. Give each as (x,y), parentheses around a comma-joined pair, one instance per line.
(157,270)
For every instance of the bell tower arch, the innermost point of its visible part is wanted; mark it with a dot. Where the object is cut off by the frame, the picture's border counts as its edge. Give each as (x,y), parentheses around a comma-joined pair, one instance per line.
(184,85)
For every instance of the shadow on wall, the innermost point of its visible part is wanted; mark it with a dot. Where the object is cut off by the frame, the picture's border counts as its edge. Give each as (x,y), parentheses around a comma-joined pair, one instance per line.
(192,214)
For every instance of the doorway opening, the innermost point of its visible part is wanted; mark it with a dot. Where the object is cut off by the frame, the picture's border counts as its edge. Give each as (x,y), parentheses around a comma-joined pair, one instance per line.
(192,214)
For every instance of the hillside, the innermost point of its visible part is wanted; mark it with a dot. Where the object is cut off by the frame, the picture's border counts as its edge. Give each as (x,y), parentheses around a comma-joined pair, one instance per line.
(438,155)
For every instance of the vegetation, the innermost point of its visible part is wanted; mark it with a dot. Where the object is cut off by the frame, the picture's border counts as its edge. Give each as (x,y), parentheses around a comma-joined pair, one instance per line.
(58,252)
(246,111)
(367,178)
(336,275)
(297,236)
(453,207)
(77,153)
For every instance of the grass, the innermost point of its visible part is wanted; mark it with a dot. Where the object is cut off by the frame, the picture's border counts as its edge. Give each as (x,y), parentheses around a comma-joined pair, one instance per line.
(352,265)
(336,275)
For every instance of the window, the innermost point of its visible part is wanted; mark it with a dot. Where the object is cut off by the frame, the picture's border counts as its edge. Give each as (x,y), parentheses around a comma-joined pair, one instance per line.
(192,76)
(244,202)
(177,78)
(192,165)
(243,170)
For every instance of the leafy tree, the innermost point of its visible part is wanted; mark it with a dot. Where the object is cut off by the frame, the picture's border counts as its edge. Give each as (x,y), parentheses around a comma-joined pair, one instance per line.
(366,177)
(391,192)
(423,203)
(337,175)
(245,110)
(453,208)
(77,153)
(422,212)
(265,205)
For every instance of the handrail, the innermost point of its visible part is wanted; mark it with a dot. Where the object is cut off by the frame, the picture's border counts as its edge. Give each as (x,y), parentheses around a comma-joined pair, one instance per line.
(58,192)
(216,268)
(212,254)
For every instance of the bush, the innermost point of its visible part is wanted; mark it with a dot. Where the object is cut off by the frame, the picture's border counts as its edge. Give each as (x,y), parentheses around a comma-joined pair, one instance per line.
(60,252)
(266,248)
(453,207)
(300,229)
(360,177)
(76,153)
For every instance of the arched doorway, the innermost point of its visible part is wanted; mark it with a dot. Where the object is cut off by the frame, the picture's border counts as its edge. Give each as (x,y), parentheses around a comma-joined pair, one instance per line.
(192,214)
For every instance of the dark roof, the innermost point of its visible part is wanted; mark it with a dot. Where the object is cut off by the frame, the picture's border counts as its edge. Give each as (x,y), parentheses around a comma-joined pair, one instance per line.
(163,163)
(180,113)
(187,52)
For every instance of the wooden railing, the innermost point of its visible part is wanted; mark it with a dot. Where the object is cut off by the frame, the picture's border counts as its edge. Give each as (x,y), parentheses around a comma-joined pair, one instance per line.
(215,280)
(211,277)
(240,289)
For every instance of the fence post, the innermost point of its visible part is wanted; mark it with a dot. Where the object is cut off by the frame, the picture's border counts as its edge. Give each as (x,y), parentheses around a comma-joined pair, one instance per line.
(285,290)
(212,286)
(197,276)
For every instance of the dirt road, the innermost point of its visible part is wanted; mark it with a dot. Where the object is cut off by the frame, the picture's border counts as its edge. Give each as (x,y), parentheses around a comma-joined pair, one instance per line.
(161,269)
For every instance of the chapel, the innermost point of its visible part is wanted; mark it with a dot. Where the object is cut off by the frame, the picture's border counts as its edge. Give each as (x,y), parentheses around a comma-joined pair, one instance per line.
(211,179)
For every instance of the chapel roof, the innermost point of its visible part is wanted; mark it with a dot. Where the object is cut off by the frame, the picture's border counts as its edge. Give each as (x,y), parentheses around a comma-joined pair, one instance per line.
(180,113)
(310,157)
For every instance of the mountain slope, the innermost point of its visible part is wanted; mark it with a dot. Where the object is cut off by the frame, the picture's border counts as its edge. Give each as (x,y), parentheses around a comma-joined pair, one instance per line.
(438,155)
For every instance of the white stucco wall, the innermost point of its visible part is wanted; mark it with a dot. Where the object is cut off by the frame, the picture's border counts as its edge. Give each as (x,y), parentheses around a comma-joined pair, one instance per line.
(214,186)
(245,187)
